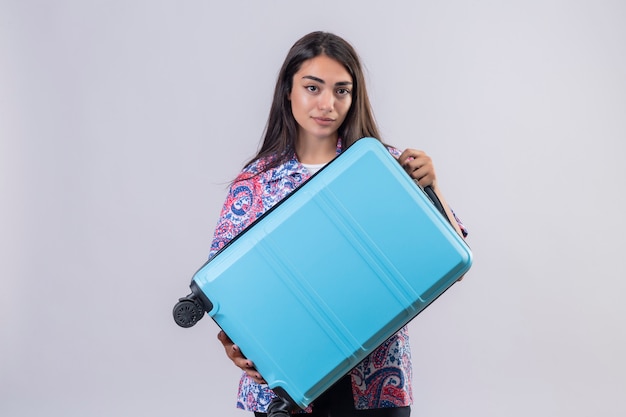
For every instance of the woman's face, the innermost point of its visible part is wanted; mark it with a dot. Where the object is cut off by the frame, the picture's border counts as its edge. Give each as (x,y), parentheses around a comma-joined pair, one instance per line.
(320,98)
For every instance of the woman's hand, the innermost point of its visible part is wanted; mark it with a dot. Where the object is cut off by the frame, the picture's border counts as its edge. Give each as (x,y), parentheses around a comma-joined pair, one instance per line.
(419,166)
(235,355)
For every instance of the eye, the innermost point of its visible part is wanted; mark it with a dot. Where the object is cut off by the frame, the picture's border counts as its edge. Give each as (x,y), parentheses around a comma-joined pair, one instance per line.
(312,88)
(343,91)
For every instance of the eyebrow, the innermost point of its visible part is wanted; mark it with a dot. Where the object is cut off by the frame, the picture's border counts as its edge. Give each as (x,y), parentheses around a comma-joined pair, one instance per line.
(319,80)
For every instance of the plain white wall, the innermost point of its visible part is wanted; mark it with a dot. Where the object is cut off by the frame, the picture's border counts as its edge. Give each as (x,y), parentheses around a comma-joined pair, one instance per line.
(121,123)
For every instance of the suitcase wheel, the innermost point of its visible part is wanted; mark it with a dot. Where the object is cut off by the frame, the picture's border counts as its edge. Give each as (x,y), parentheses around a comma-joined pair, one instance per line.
(187,312)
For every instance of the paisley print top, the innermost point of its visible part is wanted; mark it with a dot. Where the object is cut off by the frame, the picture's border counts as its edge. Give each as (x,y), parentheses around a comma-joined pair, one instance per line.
(383,379)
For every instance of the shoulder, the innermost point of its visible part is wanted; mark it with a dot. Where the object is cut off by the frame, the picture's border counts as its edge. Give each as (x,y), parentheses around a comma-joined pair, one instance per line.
(254,168)
(262,171)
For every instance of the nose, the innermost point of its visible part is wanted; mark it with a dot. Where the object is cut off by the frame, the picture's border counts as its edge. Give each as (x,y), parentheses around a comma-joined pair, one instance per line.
(326,101)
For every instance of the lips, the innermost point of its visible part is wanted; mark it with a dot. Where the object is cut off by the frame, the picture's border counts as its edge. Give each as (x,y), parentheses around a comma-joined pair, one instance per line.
(324,121)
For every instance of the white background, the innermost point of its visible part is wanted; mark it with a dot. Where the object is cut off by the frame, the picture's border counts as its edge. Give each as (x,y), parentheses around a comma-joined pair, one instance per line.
(122,122)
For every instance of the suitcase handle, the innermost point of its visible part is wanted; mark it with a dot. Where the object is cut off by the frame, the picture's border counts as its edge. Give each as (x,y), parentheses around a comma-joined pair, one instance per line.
(430,193)
(432,196)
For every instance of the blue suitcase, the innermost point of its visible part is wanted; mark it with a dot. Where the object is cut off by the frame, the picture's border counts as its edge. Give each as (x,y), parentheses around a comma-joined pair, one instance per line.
(374,252)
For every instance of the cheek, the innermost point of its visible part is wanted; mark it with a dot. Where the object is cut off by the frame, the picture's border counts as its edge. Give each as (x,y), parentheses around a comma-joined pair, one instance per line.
(297,103)
(345,107)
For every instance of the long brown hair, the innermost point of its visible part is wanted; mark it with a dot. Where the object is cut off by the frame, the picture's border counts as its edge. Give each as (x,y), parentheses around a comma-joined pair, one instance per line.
(281,130)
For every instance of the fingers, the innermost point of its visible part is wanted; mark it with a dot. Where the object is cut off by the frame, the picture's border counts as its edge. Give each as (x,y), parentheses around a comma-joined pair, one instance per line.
(223,337)
(234,354)
(255,375)
(419,166)
(232,350)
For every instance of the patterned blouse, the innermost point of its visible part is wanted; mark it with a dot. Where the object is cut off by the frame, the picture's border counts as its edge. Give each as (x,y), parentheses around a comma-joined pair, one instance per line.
(383,379)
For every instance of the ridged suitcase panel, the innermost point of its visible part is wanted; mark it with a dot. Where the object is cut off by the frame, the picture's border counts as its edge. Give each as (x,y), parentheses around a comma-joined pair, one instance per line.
(331,272)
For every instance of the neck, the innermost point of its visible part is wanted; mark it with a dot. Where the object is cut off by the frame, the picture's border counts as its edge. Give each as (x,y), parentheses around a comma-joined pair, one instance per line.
(316,150)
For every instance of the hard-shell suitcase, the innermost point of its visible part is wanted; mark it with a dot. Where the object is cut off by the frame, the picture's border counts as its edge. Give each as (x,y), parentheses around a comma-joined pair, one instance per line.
(328,274)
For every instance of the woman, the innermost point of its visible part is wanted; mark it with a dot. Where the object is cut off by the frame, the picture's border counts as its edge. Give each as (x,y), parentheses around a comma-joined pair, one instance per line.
(320,108)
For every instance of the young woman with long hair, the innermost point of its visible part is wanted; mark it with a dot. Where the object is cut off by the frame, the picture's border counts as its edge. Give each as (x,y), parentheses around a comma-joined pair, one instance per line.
(320,108)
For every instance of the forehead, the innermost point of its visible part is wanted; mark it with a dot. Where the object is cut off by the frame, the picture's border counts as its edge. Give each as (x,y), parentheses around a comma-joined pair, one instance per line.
(325,68)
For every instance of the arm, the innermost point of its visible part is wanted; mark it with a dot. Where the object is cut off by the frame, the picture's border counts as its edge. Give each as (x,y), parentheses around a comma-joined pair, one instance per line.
(243,204)
(420,167)
(241,207)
